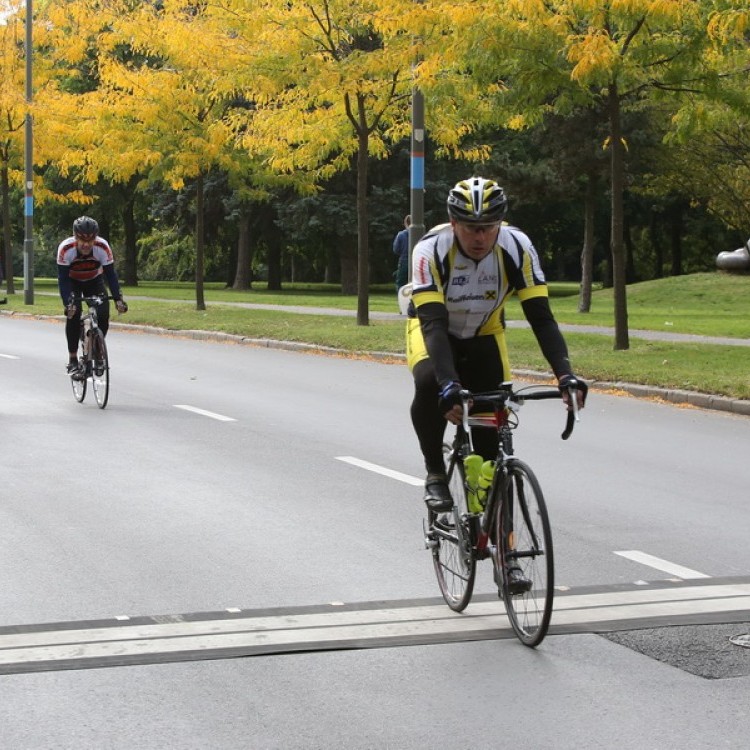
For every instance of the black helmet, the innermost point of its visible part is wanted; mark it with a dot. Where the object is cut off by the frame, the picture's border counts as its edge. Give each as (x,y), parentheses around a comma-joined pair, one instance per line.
(85,228)
(477,201)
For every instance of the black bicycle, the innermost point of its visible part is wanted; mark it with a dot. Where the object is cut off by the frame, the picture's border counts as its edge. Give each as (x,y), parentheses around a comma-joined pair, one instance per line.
(93,361)
(506,520)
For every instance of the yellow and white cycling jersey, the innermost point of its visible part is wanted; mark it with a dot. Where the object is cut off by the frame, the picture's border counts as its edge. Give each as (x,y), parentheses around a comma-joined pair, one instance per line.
(475,292)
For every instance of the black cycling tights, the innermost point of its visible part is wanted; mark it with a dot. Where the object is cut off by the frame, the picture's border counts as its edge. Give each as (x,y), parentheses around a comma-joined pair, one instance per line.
(73,325)
(479,368)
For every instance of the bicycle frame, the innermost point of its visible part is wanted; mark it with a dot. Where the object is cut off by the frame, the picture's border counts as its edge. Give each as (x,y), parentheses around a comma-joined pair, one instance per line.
(92,301)
(93,361)
(508,523)
(504,402)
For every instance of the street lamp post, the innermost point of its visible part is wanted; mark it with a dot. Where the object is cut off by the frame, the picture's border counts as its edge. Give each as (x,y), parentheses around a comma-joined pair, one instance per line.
(28,242)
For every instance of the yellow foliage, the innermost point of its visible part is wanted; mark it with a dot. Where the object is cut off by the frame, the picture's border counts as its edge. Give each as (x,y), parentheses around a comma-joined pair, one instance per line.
(293,88)
(594,55)
(729,24)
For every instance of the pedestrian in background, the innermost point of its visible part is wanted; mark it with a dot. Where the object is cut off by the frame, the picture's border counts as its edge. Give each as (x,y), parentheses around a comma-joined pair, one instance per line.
(401,251)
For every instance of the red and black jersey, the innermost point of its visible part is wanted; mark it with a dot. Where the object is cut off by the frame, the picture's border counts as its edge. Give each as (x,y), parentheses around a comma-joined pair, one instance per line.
(84,267)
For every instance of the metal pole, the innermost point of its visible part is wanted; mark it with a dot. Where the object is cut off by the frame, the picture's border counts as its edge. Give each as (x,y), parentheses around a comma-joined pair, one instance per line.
(417,228)
(28,242)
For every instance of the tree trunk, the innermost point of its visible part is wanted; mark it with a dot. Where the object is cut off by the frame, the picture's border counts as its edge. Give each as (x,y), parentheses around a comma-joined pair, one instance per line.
(348,259)
(7,234)
(587,254)
(242,277)
(363,249)
(617,227)
(200,302)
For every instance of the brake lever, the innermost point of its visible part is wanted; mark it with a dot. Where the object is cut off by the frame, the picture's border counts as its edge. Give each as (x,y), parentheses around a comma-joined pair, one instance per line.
(573,415)
(465,399)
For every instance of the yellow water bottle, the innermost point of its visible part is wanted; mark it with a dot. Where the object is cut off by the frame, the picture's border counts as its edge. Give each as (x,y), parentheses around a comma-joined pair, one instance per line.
(486,472)
(472,469)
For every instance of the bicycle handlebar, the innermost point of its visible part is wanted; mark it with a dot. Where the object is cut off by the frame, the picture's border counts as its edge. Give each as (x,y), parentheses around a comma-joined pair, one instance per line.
(506,395)
(95,299)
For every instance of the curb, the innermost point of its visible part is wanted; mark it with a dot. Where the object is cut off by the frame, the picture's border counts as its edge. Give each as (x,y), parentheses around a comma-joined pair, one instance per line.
(670,395)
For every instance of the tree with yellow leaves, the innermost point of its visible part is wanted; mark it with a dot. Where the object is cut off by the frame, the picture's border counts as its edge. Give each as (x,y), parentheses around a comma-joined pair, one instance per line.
(559,56)
(163,79)
(331,82)
(155,110)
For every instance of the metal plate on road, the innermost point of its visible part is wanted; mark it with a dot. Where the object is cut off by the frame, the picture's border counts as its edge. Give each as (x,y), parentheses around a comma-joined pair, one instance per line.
(235,633)
(707,650)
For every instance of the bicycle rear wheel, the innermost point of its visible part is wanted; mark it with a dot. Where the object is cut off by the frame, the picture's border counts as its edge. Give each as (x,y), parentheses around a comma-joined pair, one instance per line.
(449,537)
(100,369)
(522,528)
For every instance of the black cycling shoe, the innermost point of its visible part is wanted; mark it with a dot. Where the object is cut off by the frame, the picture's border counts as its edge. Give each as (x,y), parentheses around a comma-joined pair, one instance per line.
(517,583)
(437,496)
(74,370)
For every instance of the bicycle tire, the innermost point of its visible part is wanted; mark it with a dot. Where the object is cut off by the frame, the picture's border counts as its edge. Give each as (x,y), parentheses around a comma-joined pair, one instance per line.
(450,539)
(99,369)
(78,384)
(524,537)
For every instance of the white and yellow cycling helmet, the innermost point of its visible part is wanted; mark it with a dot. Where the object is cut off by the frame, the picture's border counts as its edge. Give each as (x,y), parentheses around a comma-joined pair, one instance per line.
(477,201)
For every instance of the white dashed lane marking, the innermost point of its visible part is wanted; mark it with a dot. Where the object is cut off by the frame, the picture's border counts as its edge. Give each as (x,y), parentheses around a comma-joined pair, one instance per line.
(204,413)
(382,470)
(657,563)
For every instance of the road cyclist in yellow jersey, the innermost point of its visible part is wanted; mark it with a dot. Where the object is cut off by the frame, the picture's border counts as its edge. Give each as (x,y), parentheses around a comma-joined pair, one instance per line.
(463,273)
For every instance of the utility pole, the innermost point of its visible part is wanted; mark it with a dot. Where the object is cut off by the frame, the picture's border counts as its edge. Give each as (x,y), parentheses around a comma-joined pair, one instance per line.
(28,206)
(417,229)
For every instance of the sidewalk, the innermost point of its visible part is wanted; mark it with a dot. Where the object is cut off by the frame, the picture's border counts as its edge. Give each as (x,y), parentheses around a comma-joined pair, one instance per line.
(573,328)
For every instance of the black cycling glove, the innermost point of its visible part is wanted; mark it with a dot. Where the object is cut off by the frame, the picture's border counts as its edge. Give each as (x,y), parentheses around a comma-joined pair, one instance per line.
(450,396)
(571,381)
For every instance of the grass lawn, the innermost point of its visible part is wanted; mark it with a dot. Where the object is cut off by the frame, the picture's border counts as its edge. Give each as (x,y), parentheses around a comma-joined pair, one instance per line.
(713,304)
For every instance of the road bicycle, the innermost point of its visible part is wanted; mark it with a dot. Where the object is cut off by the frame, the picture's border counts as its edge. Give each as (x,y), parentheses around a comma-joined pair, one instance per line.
(506,522)
(93,362)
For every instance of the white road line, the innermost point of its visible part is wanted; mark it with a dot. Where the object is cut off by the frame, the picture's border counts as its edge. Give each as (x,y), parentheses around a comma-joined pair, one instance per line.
(9,356)
(659,564)
(205,413)
(406,478)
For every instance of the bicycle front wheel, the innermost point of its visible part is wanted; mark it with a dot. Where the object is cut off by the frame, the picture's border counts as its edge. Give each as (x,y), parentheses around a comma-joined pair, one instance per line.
(78,381)
(100,369)
(524,563)
(449,537)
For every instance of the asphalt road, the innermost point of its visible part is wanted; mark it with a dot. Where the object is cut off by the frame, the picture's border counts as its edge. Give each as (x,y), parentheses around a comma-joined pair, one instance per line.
(231,555)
